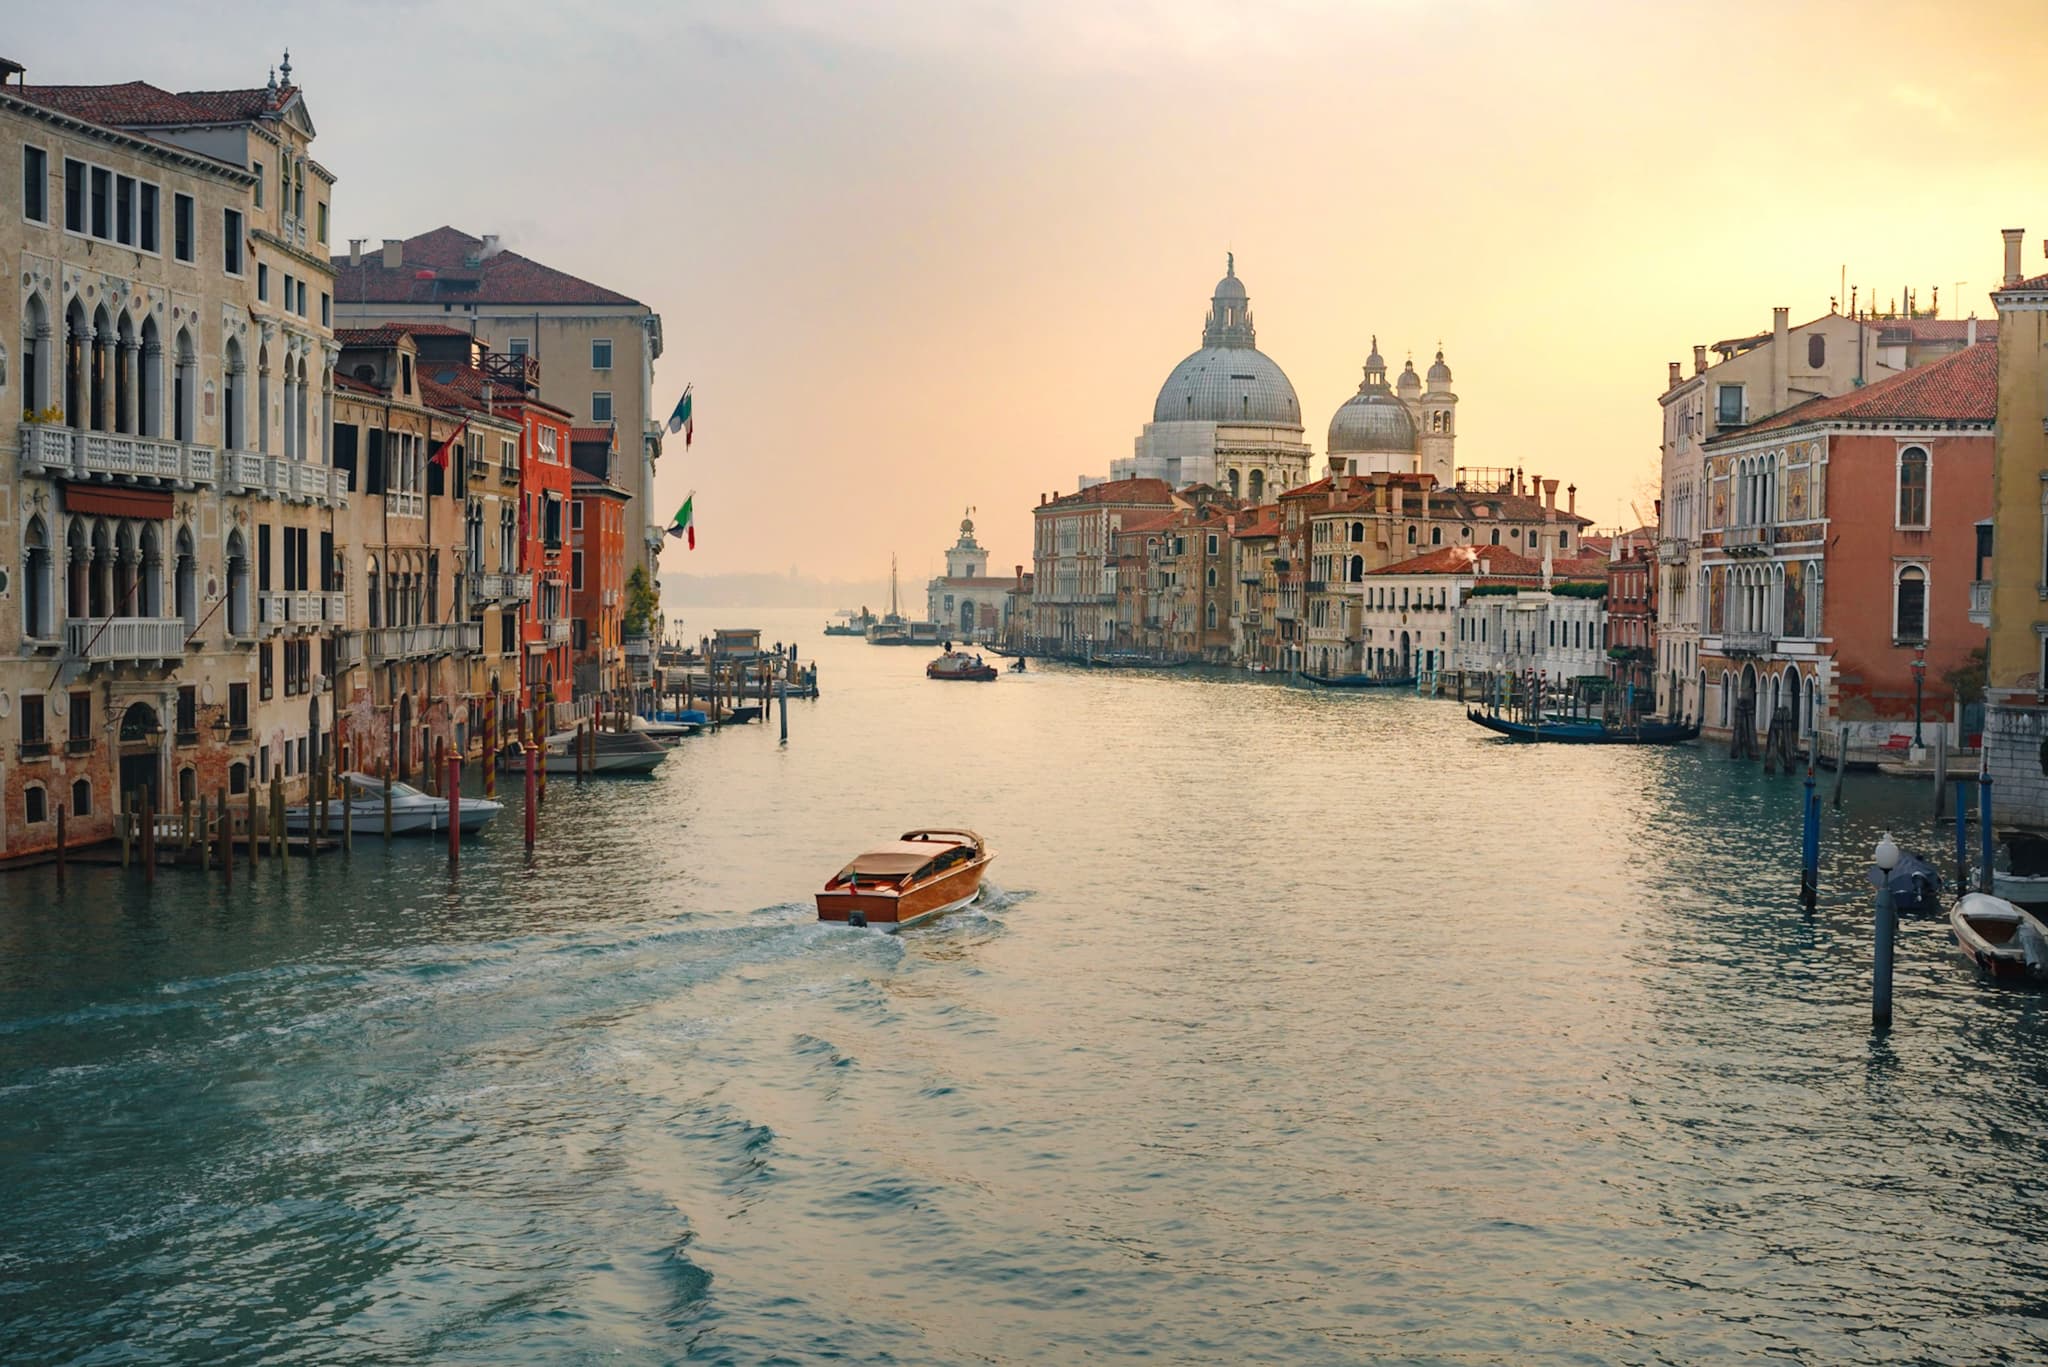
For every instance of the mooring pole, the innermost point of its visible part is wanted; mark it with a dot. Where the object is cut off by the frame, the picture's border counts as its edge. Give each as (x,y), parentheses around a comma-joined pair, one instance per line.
(348,814)
(60,843)
(1962,834)
(1940,771)
(532,797)
(782,706)
(1809,863)
(205,837)
(250,832)
(227,840)
(1885,924)
(1841,761)
(148,838)
(454,810)
(1984,879)
(387,797)
(126,816)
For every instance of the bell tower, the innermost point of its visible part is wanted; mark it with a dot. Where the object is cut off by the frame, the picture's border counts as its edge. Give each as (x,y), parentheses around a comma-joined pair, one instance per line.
(1437,442)
(965,559)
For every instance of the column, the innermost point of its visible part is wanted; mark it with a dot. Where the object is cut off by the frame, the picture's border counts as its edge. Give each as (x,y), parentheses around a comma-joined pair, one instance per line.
(131,388)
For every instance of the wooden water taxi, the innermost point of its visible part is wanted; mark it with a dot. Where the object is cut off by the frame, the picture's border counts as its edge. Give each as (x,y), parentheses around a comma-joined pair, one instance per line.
(960,665)
(2007,943)
(925,873)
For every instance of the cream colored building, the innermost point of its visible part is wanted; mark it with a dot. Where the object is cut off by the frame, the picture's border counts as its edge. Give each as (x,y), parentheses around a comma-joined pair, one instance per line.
(167,503)
(596,346)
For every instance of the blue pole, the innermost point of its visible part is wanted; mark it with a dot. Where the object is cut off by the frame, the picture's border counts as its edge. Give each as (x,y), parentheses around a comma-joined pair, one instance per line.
(1809,864)
(1885,923)
(1984,827)
(1962,836)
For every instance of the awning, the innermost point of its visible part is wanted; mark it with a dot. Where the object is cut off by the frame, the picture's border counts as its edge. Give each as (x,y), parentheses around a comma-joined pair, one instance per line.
(108,501)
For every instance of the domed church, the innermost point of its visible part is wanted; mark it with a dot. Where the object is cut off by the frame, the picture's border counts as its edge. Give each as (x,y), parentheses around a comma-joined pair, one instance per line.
(1227,415)
(1404,428)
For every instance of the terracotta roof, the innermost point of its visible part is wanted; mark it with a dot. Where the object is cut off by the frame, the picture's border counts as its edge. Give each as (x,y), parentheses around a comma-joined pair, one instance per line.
(601,436)
(138,104)
(384,334)
(1139,491)
(1958,388)
(354,385)
(463,386)
(447,256)
(1148,521)
(1465,560)
(1263,520)
(590,483)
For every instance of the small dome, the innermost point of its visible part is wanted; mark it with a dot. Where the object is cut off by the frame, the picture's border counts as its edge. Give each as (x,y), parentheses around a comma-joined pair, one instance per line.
(1439,374)
(1371,422)
(1229,287)
(1410,383)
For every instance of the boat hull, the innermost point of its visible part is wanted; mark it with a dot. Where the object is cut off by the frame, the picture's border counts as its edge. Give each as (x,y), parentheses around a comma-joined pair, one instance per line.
(409,819)
(1356,681)
(1585,733)
(1993,934)
(894,910)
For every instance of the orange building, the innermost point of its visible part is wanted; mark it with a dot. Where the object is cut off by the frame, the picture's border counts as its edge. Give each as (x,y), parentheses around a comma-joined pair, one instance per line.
(598,510)
(1839,543)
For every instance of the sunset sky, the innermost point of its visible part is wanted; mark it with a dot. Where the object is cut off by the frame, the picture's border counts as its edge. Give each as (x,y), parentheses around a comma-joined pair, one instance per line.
(917,256)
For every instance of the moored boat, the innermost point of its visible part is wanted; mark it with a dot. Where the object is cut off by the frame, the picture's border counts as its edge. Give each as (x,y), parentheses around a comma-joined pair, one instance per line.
(611,753)
(922,875)
(959,665)
(412,811)
(1586,730)
(1358,681)
(2003,940)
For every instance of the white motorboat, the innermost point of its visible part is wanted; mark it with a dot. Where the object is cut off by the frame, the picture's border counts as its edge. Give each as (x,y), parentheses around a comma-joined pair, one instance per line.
(2003,940)
(666,732)
(612,753)
(412,811)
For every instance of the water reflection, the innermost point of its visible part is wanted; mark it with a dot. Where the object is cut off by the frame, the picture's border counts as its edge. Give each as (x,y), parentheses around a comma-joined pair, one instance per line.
(1304,1028)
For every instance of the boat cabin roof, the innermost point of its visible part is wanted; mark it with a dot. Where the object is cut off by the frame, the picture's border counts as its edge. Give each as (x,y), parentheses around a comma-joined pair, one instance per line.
(371,783)
(900,857)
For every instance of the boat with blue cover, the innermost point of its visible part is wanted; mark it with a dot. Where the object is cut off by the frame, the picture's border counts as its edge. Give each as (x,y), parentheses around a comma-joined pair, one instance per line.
(1586,730)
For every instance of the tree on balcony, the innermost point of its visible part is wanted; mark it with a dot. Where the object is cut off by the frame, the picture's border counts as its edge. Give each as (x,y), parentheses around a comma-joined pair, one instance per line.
(643,600)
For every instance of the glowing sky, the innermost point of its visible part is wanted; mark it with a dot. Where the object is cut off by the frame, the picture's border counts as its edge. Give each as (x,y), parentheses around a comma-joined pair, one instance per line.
(919,256)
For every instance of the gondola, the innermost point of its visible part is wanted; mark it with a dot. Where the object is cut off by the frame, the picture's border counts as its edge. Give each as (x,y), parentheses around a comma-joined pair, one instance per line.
(1357,681)
(1587,730)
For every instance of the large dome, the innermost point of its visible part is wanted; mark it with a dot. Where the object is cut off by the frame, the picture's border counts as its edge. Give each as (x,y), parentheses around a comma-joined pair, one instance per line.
(1229,379)
(1228,384)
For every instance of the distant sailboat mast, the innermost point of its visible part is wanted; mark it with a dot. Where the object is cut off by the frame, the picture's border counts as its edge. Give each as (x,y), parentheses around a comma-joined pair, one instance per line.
(892,584)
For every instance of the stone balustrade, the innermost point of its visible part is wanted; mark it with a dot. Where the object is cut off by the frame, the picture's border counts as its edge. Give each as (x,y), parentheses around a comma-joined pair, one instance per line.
(125,638)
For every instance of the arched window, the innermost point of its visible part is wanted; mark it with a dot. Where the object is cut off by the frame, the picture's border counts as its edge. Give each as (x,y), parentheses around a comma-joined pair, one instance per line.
(1357,574)
(150,419)
(185,581)
(185,390)
(1358,531)
(35,805)
(1909,605)
(1212,616)
(1496,536)
(1411,534)
(38,620)
(1816,351)
(374,587)
(188,784)
(238,777)
(35,355)
(1436,536)
(238,585)
(1913,487)
(81,797)
(1258,486)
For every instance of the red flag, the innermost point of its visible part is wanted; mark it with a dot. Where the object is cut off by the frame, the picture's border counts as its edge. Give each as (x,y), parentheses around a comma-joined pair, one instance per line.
(441,455)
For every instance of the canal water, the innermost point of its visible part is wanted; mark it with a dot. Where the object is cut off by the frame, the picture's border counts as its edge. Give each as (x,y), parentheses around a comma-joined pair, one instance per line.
(1301,1028)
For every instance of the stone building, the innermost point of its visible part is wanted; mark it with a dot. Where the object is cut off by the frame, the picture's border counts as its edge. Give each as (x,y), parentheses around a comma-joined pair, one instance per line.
(1074,586)
(1837,547)
(599,543)
(167,606)
(596,346)
(968,602)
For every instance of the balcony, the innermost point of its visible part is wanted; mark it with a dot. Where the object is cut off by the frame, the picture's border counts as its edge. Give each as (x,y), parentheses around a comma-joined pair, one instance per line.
(1980,602)
(424,640)
(521,372)
(48,449)
(505,588)
(1747,642)
(125,638)
(1674,550)
(557,633)
(1748,540)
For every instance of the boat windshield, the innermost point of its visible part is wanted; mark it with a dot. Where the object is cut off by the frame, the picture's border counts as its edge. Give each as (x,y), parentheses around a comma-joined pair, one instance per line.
(368,785)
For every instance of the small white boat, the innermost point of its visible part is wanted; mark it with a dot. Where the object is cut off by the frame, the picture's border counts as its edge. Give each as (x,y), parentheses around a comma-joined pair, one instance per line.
(612,753)
(666,732)
(2028,890)
(412,811)
(2003,940)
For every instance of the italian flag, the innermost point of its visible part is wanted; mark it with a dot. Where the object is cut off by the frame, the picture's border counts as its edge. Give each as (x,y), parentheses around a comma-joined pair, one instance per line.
(681,420)
(685,523)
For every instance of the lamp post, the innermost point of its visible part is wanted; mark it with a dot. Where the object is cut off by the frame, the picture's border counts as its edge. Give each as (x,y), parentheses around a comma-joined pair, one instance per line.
(1919,688)
(1885,923)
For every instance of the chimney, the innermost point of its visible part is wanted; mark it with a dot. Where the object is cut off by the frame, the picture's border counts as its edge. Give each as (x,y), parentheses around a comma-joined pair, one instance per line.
(355,251)
(2012,238)
(1671,381)
(1549,500)
(394,253)
(1970,332)
(1041,498)
(1781,358)
(1699,359)
(1571,499)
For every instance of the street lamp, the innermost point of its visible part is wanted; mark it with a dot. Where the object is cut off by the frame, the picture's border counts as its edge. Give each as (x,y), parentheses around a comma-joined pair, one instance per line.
(1919,686)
